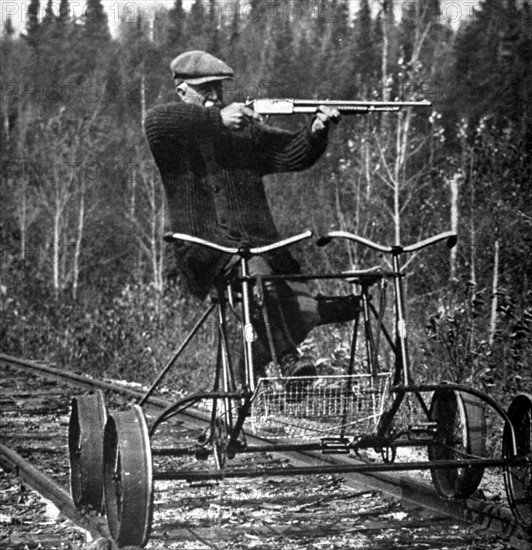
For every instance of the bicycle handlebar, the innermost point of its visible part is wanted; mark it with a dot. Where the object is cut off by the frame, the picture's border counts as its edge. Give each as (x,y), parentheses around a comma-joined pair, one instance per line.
(257,250)
(450,236)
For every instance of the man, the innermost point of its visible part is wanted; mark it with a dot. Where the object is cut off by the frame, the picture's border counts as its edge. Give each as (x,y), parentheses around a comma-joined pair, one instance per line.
(212,159)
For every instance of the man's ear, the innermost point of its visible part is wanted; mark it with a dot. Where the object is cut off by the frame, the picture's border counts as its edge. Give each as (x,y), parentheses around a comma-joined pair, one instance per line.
(180,88)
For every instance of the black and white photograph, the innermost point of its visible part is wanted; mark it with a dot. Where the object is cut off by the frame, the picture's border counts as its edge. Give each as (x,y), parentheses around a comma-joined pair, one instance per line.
(266,274)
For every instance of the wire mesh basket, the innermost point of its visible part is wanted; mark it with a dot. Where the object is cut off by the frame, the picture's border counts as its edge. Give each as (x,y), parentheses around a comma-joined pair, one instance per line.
(318,406)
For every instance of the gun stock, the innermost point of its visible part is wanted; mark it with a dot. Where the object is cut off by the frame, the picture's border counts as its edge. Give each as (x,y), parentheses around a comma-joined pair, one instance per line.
(304,106)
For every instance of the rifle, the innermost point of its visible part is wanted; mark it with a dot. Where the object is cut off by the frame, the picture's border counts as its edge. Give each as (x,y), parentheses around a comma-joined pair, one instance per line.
(310,106)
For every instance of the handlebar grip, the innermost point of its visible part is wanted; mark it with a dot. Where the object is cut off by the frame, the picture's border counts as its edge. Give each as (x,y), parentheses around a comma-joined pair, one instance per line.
(449,236)
(323,240)
(451,241)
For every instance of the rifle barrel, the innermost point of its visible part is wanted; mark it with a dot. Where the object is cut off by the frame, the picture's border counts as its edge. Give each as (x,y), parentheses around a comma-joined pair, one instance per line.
(350,103)
(294,106)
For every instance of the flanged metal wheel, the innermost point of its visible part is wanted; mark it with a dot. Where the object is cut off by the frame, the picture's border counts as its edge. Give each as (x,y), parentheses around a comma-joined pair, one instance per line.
(85,445)
(518,478)
(461,432)
(128,482)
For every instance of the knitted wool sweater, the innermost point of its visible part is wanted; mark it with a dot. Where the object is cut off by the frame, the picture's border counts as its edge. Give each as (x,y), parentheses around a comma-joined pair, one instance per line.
(213,182)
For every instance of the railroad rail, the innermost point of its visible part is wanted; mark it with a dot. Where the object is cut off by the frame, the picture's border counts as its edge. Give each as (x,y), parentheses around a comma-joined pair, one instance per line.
(487,514)
(49,489)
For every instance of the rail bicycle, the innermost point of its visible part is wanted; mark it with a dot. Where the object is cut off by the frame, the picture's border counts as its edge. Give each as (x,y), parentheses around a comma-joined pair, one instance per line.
(359,410)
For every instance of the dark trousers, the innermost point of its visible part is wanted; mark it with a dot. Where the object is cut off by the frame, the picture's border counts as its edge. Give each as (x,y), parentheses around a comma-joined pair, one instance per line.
(291,313)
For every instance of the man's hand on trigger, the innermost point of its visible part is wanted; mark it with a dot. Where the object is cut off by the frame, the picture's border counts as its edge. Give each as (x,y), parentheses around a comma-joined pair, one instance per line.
(237,116)
(323,118)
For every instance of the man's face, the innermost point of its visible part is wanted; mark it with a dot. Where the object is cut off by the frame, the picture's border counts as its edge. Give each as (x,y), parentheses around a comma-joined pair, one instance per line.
(209,94)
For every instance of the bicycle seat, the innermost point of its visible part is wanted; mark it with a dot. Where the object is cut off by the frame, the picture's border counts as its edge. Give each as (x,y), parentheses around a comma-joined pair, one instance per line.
(365,276)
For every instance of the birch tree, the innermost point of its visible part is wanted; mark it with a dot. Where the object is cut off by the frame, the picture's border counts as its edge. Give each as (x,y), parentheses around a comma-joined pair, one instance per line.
(65,150)
(147,215)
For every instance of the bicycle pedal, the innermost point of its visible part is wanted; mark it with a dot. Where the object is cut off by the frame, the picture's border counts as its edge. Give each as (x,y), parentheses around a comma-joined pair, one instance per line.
(339,445)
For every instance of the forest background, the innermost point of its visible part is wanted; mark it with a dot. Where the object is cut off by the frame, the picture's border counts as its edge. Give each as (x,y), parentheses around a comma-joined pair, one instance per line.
(86,280)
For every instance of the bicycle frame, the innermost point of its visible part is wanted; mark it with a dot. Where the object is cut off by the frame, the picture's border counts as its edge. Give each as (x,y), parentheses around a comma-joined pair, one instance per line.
(224,385)
(225,389)
(224,375)
(403,381)
(346,421)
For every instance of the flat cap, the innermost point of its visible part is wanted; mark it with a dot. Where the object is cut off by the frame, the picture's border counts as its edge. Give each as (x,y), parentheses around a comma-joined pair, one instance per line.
(197,67)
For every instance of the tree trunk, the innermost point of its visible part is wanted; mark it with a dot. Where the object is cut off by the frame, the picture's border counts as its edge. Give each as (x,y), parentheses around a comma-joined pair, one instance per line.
(160,266)
(142,96)
(56,247)
(154,226)
(472,257)
(388,46)
(5,118)
(401,144)
(148,220)
(79,237)
(367,173)
(23,220)
(494,293)
(453,183)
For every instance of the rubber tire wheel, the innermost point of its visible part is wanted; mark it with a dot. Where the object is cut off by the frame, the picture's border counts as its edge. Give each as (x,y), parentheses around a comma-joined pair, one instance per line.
(85,445)
(518,479)
(128,480)
(461,422)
